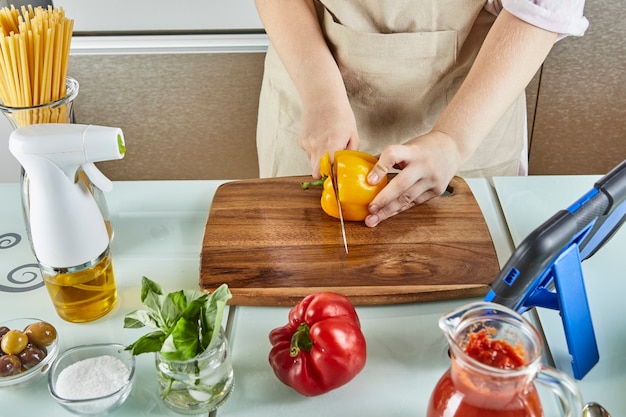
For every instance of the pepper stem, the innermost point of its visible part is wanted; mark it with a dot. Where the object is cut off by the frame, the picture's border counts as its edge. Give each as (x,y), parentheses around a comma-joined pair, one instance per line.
(300,340)
(306,185)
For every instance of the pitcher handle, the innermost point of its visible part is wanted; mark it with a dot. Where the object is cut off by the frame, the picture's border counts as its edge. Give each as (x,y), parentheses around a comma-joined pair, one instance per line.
(564,387)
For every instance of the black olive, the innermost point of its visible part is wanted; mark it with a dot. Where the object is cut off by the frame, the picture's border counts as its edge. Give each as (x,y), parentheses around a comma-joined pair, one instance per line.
(9,365)
(3,330)
(31,356)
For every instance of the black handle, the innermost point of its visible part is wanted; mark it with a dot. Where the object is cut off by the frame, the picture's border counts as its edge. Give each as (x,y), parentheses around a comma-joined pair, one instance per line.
(532,258)
(613,184)
(613,187)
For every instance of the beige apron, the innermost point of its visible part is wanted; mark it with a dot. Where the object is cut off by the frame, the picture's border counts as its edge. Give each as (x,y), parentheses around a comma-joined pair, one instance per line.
(401,61)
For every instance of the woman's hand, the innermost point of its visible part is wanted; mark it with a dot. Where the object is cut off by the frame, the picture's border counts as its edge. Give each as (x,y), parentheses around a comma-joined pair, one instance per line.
(427,165)
(328,125)
(506,62)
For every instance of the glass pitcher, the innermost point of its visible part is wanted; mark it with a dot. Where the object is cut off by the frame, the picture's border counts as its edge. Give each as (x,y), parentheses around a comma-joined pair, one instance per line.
(495,361)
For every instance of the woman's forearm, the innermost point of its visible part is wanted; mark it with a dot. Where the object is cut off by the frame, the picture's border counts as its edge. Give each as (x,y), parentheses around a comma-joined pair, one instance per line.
(508,59)
(295,33)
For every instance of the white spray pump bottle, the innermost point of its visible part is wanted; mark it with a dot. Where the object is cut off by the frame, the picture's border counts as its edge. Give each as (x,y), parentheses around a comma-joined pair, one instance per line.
(69,236)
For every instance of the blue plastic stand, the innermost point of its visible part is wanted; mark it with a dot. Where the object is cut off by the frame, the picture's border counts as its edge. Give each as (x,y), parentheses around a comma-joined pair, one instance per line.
(570,299)
(545,269)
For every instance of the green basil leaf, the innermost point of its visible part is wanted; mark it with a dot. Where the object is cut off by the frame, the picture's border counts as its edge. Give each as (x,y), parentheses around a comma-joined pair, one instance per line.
(149,286)
(173,356)
(192,311)
(192,295)
(185,338)
(169,351)
(168,345)
(186,320)
(140,318)
(147,343)
(178,299)
(173,304)
(153,302)
(214,314)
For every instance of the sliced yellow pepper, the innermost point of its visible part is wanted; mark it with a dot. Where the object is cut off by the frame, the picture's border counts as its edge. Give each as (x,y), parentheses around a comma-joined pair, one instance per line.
(355,193)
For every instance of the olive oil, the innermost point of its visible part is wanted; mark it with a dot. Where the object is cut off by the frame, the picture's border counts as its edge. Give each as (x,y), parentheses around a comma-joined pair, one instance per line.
(84,295)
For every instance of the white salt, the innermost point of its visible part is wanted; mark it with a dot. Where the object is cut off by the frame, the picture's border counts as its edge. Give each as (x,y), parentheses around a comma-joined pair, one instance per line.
(92,378)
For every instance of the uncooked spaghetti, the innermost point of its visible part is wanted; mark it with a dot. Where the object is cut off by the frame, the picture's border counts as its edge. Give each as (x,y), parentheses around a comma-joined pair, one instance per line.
(34,54)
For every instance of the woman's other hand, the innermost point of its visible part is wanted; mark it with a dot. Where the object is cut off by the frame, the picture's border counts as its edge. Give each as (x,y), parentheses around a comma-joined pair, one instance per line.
(427,165)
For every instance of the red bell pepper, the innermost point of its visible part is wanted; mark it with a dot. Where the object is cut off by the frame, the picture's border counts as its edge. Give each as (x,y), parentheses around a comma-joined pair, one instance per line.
(321,347)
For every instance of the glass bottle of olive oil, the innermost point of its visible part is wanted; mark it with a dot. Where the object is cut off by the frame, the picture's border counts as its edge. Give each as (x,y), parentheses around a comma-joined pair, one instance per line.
(69,236)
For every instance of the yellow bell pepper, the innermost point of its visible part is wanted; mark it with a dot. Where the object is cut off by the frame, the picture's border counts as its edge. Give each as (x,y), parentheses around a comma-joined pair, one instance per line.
(355,193)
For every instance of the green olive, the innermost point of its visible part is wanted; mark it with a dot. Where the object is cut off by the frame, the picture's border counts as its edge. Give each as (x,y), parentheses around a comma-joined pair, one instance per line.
(9,365)
(13,342)
(41,334)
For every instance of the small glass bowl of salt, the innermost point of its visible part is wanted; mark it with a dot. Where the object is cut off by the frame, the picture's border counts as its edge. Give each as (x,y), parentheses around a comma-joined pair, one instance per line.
(92,380)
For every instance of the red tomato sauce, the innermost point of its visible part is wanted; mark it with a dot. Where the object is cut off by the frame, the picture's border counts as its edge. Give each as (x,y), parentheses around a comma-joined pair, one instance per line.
(496,353)
(447,401)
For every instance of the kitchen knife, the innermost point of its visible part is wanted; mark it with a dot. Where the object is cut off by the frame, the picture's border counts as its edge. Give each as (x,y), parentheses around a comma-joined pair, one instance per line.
(336,188)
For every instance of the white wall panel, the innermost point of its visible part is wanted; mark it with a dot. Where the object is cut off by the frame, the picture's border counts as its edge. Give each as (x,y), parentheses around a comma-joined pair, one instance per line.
(161,15)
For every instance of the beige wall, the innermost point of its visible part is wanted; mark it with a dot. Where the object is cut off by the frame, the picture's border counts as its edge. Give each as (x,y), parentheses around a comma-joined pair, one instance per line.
(184,116)
(193,116)
(580,123)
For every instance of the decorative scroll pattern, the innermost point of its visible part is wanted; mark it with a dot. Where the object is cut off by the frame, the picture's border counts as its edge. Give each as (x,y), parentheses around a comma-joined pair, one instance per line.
(23,278)
(8,240)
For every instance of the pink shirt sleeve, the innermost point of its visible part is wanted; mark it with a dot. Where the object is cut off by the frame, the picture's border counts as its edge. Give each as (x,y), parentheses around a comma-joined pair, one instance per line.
(564,17)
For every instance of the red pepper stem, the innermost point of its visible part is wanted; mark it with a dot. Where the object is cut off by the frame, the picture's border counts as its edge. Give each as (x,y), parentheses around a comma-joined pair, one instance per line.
(300,340)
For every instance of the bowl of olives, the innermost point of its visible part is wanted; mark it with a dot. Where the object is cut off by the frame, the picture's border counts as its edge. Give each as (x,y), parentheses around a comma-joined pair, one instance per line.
(27,348)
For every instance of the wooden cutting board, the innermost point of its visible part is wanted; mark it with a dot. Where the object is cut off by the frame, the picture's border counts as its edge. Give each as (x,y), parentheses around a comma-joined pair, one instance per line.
(270,241)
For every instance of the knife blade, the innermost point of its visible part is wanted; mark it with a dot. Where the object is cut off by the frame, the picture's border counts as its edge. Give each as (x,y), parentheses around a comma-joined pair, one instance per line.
(336,188)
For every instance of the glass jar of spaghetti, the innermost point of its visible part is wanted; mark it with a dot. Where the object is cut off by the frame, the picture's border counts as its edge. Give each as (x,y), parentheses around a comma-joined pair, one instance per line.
(34,87)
